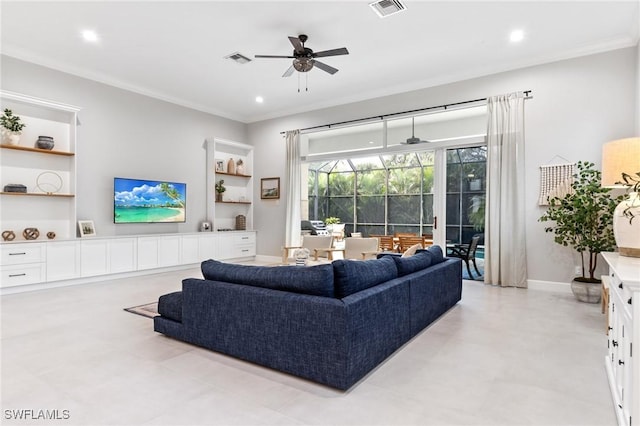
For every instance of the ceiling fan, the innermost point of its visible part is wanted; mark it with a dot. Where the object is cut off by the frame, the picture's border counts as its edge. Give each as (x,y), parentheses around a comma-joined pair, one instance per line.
(304,59)
(413,139)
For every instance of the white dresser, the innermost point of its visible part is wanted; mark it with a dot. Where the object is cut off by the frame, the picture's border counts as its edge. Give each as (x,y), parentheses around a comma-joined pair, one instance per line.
(623,366)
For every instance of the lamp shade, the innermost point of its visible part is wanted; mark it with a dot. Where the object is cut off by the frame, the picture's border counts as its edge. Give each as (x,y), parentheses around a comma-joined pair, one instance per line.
(620,156)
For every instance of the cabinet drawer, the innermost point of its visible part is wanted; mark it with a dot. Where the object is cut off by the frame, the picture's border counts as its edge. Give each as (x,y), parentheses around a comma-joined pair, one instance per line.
(620,287)
(21,274)
(17,254)
(244,250)
(245,239)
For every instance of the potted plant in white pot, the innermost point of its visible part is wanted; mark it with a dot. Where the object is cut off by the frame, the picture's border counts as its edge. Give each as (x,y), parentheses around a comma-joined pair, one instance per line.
(583,220)
(220,189)
(11,127)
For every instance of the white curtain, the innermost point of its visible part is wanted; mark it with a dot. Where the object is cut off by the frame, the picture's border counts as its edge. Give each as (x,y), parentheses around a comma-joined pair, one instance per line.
(292,234)
(505,252)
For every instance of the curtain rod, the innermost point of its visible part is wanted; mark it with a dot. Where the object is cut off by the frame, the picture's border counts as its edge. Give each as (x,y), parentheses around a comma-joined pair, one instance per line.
(393,114)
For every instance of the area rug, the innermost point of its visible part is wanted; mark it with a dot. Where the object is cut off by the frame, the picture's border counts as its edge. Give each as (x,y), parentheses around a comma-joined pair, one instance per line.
(149,310)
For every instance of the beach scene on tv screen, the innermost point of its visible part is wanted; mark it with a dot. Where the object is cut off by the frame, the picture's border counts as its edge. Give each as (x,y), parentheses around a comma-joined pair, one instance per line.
(141,201)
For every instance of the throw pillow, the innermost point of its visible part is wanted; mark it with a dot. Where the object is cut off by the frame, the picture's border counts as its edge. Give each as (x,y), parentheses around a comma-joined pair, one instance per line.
(411,250)
(417,262)
(352,276)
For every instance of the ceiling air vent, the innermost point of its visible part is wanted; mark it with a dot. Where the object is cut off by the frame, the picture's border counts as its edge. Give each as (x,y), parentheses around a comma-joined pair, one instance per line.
(238,57)
(386,8)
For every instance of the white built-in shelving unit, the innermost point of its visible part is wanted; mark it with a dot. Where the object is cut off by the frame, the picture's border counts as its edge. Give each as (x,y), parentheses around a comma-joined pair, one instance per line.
(238,197)
(50,206)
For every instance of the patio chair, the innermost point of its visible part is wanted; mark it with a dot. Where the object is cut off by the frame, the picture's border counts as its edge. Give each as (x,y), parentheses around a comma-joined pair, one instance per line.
(316,244)
(466,252)
(360,248)
(337,231)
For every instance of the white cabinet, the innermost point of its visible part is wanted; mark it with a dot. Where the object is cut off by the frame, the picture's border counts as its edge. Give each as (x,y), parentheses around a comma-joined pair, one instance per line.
(63,260)
(74,259)
(49,175)
(22,264)
(238,197)
(207,246)
(235,245)
(169,250)
(623,368)
(147,253)
(94,258)
(190,249)
(123,255)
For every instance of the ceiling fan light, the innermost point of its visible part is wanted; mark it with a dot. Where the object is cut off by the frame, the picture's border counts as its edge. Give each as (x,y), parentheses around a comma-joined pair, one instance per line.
(302,65)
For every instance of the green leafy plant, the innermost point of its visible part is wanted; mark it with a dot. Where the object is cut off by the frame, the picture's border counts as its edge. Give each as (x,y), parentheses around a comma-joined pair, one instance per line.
(11,122)
(331,220)
(476,212)
(584,218)
(633,186)
(220,186)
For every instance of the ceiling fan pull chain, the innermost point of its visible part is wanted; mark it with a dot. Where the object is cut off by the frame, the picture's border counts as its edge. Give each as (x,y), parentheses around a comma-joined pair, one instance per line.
(298,82)
(306,76)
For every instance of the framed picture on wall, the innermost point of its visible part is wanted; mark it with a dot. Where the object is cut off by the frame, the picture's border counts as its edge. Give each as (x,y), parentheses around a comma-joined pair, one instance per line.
(270,188)
(87,228)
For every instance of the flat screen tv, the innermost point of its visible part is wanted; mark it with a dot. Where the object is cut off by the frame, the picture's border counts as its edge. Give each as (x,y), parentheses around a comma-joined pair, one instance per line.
(148,201)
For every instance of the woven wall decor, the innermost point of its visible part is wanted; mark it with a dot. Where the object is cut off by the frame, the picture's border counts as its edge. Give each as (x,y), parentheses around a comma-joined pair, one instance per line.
(555,181)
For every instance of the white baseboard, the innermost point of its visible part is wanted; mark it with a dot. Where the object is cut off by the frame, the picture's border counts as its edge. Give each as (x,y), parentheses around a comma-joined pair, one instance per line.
(549,286)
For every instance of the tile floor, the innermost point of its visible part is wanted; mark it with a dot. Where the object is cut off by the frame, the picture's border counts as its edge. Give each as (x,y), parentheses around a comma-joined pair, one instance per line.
(500,357)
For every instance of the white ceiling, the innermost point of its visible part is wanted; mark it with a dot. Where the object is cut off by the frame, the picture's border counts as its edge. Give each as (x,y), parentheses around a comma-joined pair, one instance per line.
(175,50)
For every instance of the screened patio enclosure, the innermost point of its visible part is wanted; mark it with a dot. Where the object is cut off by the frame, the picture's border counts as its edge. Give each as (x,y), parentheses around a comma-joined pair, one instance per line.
(390,193)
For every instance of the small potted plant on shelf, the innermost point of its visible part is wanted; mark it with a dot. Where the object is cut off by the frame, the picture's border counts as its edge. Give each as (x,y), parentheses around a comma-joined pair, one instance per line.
(583,220)
(11,127)
(220,189)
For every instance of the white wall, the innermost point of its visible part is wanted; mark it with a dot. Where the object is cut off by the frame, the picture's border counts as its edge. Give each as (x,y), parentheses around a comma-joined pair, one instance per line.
(127,135)
(578,105)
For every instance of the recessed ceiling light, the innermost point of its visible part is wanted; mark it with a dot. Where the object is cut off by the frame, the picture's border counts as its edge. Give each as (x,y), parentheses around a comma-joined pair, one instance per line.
(516,36)
(90,36)
(259,99)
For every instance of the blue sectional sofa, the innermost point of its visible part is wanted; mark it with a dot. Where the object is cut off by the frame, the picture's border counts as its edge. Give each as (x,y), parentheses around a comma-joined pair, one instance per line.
(329,323)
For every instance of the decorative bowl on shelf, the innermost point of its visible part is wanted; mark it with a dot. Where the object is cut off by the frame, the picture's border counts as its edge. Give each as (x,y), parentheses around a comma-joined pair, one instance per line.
(45,142)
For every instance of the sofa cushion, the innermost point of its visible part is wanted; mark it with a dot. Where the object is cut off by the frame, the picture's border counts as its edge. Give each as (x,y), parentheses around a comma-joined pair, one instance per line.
(314,280)
(170,306)
(352,276)
(418,261)
(436,255)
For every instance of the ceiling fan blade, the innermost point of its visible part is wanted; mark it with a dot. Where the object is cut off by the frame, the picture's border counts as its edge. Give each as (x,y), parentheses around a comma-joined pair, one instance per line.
(274,56)
(289,71)
(295,41)
(332,52)
(325,67)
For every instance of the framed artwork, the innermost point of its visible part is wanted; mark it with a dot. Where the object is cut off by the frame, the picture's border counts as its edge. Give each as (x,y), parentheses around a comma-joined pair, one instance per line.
(270,188)
(219,165)
(87,228)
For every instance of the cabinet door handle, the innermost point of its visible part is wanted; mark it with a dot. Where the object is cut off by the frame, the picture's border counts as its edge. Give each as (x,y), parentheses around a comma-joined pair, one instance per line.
(629,301)
(615,343)
(620,285)
(17,254)
(620,362)
(17,275)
